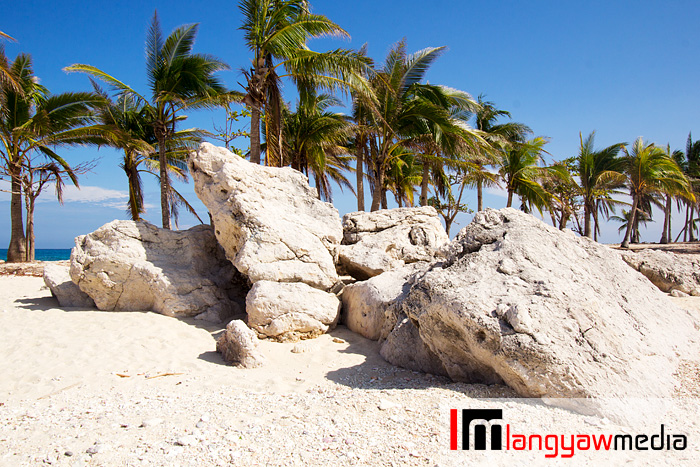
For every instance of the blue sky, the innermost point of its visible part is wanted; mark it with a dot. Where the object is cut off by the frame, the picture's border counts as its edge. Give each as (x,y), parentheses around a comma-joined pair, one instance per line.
(623,68)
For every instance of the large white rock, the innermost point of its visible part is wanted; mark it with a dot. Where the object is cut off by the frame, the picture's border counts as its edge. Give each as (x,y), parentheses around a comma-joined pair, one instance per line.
(130,266)
(368,306)
(548,313)
(57,278)
(289,311)
(376,242)
(269,221)
(668,271)
(239,345)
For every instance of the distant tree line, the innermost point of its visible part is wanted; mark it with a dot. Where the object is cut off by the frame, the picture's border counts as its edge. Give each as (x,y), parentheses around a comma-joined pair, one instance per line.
(421,143)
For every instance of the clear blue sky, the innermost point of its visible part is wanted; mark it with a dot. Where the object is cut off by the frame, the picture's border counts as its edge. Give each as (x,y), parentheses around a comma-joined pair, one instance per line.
(623,68)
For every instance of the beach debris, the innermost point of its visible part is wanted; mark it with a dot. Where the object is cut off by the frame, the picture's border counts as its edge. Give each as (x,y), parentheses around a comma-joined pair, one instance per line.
(186,440)
(380,241)
(97,448)
(239,345)
(160,375)
(150,422)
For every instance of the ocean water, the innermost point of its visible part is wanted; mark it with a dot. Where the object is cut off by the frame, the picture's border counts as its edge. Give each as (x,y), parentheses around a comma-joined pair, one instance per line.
(44,254)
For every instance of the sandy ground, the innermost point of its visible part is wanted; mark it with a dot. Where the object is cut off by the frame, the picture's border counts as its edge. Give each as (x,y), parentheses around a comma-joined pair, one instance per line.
(83,387)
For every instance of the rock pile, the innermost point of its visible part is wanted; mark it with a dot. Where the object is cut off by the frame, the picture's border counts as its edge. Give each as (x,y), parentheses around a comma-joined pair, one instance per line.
(546,312)
(277,232)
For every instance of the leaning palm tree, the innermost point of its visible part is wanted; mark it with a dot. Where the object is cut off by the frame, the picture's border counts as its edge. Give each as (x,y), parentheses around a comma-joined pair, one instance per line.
(35,123)
(599,171)
(649,170)
(276,32)
(178,79)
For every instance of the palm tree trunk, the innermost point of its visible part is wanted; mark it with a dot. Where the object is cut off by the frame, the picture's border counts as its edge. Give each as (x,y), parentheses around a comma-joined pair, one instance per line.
(668,208)
(378,188)
(17,250)
(359,171)
(135,197)
(385,203)
(630,224)
(31,247)
(254,135)
(479,195)
(685,229)
(667,213)
(424,184)
(691,230)
(587,232)
(164,182)
(510,199)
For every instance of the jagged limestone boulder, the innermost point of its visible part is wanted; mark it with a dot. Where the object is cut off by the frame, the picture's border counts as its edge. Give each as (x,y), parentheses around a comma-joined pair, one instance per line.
(131,266)
(376,242)
(269,221)
(288,311)
(57,279)
(239,345)
(668,271)
(548,313)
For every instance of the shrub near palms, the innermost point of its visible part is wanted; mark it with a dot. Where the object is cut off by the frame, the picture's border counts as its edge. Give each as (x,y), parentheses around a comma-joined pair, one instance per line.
(649,170)
(178,79)
(34,122)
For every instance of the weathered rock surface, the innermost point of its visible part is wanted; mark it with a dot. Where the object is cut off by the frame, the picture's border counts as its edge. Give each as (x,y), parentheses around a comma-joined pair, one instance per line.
(268,220)
(239,345)
(404,347)
(376,242)
(289,311)
(369,306)
(668,271)
(127,265)
(549,314)
(57,278)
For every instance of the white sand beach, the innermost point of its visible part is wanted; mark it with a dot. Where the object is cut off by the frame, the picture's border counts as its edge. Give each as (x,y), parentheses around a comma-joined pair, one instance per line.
(84,387)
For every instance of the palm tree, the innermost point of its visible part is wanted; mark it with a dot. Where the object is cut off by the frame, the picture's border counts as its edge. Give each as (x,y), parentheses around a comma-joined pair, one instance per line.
(519,168)
(626,222)
(406,114)
(276,32)
(35,122)
(6,76)
(315,139)
(649,170)
(178,79)
(598,171)
(500,137)
(678,157)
